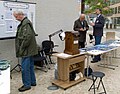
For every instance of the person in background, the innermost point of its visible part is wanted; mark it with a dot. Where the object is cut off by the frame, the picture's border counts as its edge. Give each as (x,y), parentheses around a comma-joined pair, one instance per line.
(98,31)
(26,48)
(82,27)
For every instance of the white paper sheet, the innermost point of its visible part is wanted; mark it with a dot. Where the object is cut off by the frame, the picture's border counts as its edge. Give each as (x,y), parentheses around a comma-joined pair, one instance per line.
(95,52)
(64,55)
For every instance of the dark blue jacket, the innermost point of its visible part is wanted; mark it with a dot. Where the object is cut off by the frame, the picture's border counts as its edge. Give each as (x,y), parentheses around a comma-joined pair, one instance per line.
(99,24)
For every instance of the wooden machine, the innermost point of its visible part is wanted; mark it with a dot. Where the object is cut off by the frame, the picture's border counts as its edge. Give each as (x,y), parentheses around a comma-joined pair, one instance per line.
(71,43)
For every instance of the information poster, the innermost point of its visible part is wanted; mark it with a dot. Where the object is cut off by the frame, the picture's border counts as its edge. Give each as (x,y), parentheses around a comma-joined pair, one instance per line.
(8,24)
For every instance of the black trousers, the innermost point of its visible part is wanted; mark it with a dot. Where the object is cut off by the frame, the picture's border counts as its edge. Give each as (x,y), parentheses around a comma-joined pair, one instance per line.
(81,44)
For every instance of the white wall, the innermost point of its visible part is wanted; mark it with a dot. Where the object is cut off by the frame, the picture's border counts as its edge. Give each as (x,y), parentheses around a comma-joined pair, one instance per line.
(7,50)
(51,16)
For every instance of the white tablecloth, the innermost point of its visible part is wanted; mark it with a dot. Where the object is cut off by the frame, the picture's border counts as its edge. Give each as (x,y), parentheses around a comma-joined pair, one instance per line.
(5,81)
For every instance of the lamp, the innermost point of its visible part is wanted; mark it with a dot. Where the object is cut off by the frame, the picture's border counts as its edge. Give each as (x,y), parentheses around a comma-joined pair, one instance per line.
(60,32)
(62,36)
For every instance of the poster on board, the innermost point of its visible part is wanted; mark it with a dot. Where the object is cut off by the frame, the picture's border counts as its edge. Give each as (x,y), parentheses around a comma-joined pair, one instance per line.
(8,24)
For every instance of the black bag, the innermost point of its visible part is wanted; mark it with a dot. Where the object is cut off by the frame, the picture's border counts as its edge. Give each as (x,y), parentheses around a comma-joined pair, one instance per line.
(72,76)
(39,63)
(89,71)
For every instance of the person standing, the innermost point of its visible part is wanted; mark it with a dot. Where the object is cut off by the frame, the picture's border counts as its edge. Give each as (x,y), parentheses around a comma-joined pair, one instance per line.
(98,31)
(82,27)
(26,48)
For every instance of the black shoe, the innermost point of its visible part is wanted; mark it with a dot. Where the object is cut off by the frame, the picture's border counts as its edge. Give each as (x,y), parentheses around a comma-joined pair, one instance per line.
(94,61)
(23,88)
(33,84)
(99,59)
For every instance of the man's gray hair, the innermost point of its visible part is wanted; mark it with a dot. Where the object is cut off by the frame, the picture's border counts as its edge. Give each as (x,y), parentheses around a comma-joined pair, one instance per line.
(19,12)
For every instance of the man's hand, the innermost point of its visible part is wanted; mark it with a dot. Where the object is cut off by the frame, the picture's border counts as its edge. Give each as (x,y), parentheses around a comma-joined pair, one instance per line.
(81,29)
(92,24)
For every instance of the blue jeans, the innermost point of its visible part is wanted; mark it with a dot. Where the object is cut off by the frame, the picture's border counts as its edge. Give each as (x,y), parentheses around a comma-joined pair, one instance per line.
(97,41)
(28,75)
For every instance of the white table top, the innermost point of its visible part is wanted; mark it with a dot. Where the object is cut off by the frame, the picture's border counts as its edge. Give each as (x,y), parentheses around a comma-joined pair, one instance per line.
(102,48)
(5,81)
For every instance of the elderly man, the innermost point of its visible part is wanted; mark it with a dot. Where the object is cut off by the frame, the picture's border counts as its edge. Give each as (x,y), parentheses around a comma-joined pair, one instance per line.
(26,48)
(81,26)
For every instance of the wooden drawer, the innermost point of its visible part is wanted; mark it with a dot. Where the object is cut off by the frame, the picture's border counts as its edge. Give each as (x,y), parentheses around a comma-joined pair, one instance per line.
(76,59)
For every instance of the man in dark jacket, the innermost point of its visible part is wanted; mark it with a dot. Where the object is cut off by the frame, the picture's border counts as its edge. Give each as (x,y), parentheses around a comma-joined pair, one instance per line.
(81,26)
(26,48)
(98,31)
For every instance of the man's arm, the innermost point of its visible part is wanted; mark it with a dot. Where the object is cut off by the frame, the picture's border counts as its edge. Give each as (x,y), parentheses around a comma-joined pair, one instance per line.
(27,35)
(75,28)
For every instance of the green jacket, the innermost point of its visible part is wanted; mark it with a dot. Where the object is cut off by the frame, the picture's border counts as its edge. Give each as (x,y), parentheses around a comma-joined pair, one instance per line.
(25,41)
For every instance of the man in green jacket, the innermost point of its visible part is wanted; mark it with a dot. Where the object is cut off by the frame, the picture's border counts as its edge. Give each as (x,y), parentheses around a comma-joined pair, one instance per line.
(26,48)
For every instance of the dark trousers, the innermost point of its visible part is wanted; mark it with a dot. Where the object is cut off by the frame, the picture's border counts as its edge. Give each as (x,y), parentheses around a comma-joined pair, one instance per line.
(81,44)
(97,41)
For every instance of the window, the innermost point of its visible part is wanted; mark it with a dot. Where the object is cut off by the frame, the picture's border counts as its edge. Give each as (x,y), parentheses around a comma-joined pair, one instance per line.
(115,10)
(119,9)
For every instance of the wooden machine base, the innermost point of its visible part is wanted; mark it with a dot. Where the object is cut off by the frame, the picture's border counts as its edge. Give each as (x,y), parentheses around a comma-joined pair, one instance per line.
(66,85)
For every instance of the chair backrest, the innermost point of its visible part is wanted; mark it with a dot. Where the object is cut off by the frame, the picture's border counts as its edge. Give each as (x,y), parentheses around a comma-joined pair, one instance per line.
(90,36)
(110,36)
(39,59)
(47,46)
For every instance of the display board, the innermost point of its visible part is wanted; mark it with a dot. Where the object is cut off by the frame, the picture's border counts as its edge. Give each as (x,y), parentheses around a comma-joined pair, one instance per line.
(8,24)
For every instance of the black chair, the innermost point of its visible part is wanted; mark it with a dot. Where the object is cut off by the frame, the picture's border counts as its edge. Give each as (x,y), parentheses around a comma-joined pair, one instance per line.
(91,38)
(40,60)
(48,46)
(96,75)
